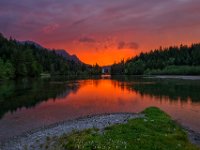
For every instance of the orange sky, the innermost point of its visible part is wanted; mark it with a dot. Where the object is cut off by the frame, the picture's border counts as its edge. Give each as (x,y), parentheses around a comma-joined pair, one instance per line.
(102,32)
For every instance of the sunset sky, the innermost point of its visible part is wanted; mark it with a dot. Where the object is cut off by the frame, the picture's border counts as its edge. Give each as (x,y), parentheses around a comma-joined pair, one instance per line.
(102,31)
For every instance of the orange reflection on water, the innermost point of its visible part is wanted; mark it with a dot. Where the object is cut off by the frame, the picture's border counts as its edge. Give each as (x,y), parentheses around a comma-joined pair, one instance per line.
(98,97)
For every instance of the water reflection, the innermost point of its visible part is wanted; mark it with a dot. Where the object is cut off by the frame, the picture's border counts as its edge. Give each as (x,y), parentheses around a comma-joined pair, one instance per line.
(44,102)
(29,93)
(174,89)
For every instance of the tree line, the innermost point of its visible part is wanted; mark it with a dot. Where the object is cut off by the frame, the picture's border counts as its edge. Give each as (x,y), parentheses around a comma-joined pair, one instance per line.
(28,60)
(174,60)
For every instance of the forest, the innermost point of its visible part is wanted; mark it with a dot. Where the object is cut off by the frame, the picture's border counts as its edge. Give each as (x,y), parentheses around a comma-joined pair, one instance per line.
(182,60)
(28,60)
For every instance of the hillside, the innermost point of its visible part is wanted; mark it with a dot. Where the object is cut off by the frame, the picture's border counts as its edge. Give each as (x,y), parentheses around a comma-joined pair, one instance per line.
(183,60)
(29,59)
(60,52)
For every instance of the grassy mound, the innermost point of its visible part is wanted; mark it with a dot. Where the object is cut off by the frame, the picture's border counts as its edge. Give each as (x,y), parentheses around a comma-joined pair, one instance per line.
(154,132)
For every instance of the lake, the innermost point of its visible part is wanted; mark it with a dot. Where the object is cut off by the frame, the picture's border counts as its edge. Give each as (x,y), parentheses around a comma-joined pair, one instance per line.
(29,104)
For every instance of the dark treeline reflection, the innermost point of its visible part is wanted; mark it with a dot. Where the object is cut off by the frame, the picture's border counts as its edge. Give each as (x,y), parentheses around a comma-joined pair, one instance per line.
(28,93)
(174,89)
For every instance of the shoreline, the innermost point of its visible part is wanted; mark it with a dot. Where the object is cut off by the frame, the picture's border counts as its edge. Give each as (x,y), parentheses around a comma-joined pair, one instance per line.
(38,136)
(183,77)
(34,138)
(193,136)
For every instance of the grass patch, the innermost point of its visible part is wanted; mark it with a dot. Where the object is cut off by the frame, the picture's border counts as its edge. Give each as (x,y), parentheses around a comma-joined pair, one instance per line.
(154,132)
(175,70)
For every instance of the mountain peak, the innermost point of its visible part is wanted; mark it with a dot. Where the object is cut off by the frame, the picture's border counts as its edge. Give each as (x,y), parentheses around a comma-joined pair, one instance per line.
(67,56)
(31,43)
(60,52)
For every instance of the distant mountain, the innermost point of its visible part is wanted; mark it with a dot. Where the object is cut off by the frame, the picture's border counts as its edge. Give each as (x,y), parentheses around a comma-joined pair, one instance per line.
(60,52)
(31,43)
(29,59)
(67,56)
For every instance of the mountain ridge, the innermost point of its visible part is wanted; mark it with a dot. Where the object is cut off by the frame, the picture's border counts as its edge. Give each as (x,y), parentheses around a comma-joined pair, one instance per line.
(61,52)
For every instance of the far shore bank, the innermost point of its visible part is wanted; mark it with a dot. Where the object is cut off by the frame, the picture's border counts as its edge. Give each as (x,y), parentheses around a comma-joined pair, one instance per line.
(176,77)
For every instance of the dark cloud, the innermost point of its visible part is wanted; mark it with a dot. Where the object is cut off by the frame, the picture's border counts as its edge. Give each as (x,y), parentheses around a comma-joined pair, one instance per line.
(80,21)
(128,45)
(121,45)
(87,40)
(133,45)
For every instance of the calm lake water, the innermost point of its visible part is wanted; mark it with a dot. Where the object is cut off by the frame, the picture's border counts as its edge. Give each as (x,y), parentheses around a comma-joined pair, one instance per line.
(30,104)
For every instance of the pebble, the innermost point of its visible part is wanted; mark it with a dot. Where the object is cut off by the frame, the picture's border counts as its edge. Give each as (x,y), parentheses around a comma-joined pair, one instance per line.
(58,129)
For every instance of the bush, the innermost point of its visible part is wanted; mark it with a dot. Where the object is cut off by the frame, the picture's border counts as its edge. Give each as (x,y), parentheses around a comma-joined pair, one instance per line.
(6,70)
(175,70)
(135,68)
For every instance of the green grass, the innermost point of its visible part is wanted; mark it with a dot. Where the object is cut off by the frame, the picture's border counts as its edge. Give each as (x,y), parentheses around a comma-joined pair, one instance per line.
(175,70)
(154,132)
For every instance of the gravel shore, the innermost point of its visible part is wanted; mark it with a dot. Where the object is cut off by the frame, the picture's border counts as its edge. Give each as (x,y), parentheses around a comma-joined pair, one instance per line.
(35,138)
(193,136)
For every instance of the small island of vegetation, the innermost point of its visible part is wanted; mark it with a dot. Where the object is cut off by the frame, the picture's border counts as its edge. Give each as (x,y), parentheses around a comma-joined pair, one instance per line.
(151,129)
(155,131)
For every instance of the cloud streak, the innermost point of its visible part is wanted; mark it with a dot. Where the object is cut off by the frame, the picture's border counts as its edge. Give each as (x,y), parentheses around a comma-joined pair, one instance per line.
(128,45)
(87,40)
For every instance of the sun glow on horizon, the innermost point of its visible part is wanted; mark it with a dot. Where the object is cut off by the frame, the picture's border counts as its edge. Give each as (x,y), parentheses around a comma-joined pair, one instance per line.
(114,31)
